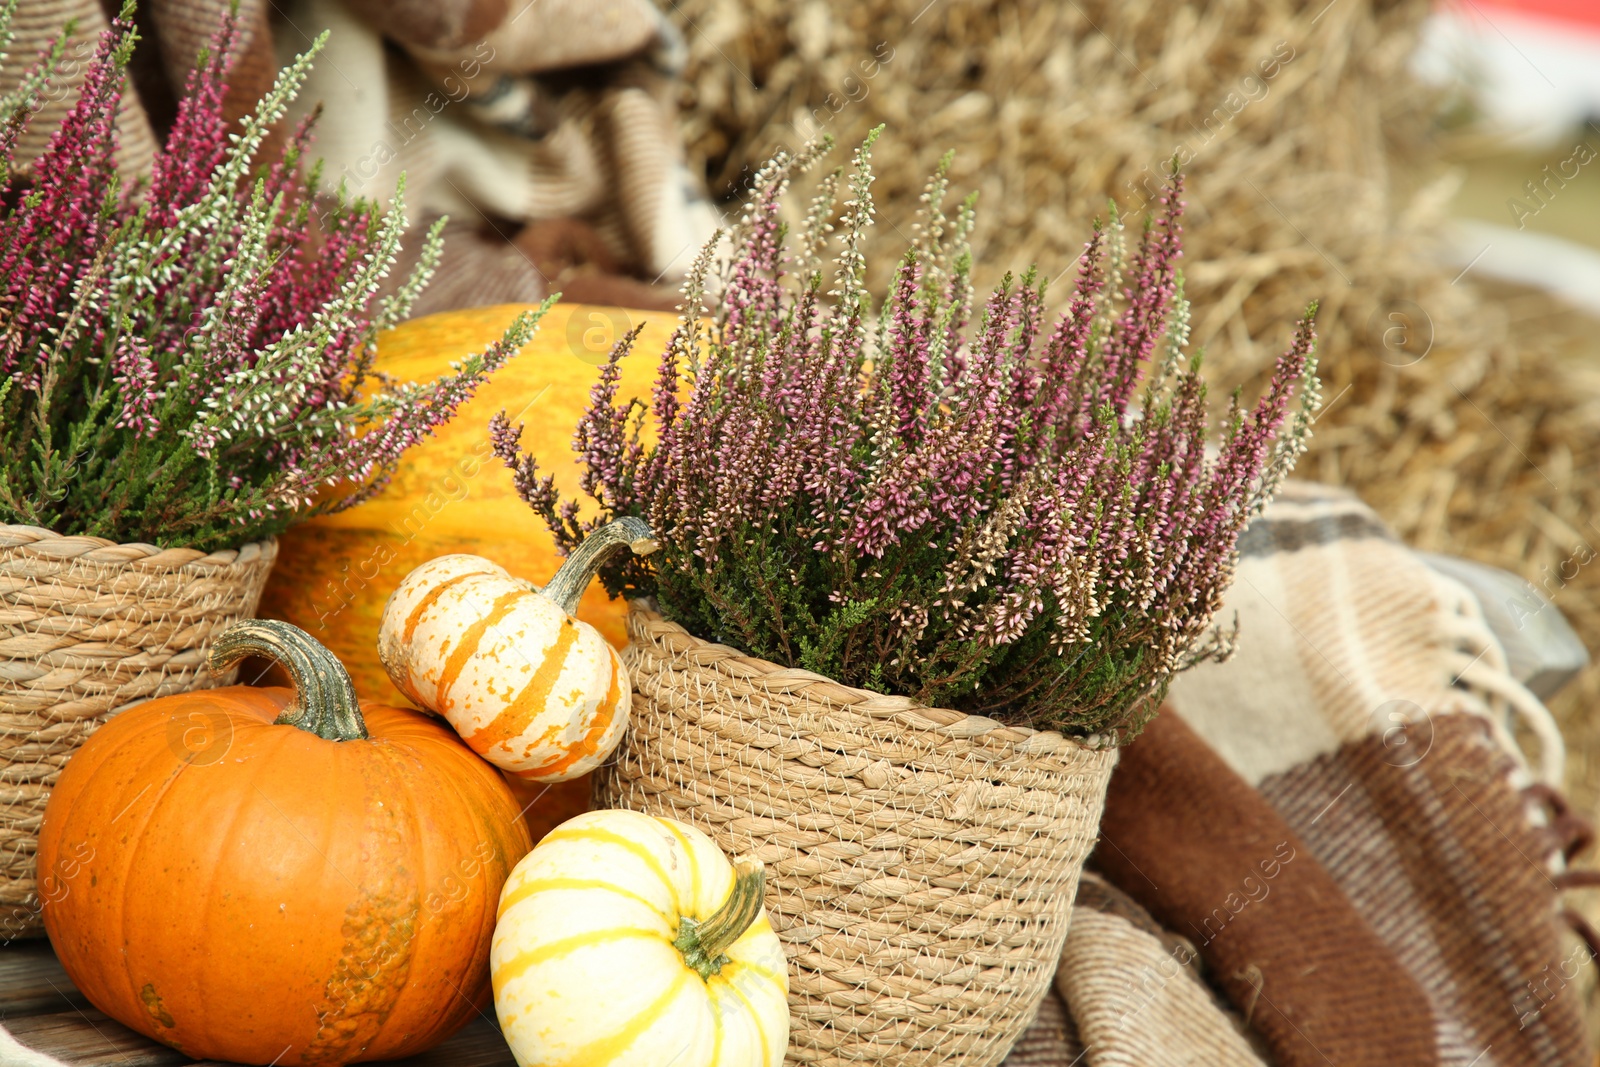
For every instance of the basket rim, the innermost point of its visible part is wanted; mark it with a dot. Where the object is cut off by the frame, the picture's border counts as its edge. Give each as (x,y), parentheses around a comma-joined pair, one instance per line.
(944,720)
(43,543)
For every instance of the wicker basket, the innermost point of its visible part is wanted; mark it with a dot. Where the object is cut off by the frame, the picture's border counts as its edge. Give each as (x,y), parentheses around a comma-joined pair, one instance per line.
(86,627)
(921,863)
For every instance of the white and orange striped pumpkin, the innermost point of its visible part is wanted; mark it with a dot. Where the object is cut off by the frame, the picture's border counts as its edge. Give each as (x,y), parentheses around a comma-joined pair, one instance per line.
(526,685)
(628,939)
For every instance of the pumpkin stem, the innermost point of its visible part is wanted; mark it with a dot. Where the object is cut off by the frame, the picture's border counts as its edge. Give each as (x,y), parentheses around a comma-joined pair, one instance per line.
(567,587)
(704,943)
(325,701)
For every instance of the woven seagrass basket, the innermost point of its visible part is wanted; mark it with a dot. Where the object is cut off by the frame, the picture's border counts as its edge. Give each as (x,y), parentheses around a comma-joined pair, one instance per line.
(921,863)
(88,626)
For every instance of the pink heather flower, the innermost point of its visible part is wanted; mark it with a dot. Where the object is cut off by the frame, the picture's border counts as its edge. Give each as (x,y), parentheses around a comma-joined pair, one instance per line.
(135,374)
(982,518)
(227,321)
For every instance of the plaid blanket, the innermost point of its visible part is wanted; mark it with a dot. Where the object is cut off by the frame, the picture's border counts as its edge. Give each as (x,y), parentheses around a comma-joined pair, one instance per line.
(1139,996)
(1374,711)
(1370,725)
(505,114)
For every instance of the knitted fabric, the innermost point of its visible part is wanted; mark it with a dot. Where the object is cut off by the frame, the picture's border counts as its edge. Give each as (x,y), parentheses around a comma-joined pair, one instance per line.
(516,124)
(1372,709)
(1210,859)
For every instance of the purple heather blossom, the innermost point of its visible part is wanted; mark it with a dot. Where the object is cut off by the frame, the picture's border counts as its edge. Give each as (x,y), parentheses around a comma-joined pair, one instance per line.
(992,518)
(136,376)
(187,358)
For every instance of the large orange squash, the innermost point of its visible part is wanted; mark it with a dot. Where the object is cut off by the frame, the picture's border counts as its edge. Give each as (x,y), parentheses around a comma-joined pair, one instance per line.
(450,495)
(279,875)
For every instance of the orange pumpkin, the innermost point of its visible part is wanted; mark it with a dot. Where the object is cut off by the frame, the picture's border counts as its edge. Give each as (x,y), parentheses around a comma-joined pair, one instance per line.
(450,495)
(279,875)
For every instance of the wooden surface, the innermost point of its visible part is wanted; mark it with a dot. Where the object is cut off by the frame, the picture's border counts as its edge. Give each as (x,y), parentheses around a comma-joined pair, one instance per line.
(43,1010)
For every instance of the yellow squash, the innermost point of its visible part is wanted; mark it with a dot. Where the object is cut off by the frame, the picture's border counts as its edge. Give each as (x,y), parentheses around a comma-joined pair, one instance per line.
(628,939)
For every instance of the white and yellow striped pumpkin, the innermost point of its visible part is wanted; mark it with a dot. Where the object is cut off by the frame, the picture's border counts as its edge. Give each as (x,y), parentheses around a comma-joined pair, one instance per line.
(526,685)
(628,939)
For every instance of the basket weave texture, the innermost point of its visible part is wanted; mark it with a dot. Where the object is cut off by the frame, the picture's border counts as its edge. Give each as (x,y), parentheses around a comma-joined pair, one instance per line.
(921,863)
(88,626)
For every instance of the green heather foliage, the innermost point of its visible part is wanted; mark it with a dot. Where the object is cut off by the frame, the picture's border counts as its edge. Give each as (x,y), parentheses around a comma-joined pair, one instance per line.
(1017,519)
(189,361)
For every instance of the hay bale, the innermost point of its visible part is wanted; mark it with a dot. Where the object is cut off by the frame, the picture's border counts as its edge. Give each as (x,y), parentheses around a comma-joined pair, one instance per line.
(1464,412)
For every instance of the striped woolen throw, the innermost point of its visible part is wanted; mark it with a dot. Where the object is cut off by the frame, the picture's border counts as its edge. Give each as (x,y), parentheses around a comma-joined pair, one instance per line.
(1210,859)
(181,28)
(1138,998)
(506,114)
(172,32)
(1136,991)
(1371,708)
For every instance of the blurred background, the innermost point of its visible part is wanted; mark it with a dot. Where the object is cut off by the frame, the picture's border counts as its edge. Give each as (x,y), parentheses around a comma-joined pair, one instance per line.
(1521,87)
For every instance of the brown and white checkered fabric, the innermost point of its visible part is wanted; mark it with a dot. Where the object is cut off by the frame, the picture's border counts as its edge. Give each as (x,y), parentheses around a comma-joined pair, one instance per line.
(1371,708)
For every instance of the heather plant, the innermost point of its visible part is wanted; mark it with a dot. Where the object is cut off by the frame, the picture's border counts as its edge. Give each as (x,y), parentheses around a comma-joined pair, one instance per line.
(1000,519)
(188,360)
